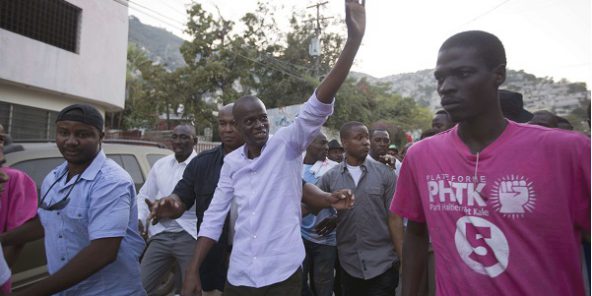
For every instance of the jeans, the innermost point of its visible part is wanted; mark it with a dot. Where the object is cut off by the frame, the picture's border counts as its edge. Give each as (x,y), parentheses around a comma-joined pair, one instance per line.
(317,269)
(382,285)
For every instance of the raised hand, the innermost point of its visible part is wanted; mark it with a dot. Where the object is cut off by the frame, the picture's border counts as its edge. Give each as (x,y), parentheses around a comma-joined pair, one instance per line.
(355,18)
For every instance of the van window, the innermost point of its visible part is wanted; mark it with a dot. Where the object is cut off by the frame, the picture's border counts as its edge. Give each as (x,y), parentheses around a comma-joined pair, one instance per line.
(37,169)
(153,158)
(129,163)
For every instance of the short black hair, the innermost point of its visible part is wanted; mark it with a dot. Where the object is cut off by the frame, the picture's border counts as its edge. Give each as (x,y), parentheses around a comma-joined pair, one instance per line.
(443,112)
(566,124)
(238,105)
(372,131)
(428,133)
(488,45)
(346,128)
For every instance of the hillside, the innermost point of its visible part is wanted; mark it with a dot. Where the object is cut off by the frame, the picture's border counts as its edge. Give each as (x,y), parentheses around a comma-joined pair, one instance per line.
(159,44)
(559,97)
(539,93)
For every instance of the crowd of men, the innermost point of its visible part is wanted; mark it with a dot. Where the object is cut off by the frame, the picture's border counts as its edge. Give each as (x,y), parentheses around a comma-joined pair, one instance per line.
(493,200)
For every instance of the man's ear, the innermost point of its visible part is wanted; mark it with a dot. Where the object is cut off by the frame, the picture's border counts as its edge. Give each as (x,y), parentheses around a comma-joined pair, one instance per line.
(500,74)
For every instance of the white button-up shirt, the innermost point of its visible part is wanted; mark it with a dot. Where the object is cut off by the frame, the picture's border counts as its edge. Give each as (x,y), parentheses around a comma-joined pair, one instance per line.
(160,183)
(267,190)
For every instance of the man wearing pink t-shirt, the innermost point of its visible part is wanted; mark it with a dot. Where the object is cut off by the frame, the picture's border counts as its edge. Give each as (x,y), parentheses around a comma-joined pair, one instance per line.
(504,203)
(18,205)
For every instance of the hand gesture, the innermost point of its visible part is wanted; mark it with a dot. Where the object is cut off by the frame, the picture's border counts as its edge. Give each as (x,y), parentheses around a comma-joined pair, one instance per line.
(388,160)
(342,199)
(513,195)
(192,284)
(326,226)
(355,18)
(165,208)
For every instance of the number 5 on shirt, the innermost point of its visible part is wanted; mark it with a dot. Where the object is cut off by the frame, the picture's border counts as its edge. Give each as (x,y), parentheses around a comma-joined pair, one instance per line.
(481,245)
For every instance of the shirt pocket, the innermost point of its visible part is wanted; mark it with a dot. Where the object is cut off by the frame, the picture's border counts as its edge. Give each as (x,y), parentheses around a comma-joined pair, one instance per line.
(77,213)
(76,220)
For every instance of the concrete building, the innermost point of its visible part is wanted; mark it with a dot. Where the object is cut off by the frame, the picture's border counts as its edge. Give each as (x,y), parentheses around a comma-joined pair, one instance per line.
(54,53)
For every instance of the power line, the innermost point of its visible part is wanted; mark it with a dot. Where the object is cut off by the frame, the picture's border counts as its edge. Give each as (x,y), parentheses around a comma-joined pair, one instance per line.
(157,18)
(156,12)
(271,67)
(172,8)
(149,14)
(485,13)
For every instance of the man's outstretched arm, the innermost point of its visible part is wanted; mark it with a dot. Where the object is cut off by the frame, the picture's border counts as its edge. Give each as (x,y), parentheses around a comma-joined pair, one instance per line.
(317,199)
(355,18)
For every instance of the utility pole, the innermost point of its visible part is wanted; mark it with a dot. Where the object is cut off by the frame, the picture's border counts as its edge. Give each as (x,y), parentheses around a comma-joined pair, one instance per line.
(314,48)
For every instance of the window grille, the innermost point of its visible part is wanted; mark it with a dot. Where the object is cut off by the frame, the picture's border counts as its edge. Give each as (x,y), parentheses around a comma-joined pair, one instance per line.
(55,22)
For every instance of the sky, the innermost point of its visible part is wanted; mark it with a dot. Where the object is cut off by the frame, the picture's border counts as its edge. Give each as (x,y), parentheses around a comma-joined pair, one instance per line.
(548,38)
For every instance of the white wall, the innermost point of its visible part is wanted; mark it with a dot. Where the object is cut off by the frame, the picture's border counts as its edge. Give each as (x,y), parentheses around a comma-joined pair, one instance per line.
(43,99)
(96,74)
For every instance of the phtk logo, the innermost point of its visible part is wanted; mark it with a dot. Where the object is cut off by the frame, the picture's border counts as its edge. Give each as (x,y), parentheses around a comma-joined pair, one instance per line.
(513,196)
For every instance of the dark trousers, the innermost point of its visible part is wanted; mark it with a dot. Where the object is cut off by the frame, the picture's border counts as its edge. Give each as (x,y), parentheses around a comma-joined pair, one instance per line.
(382,285)
(337,282)
(317,269)
(291,286)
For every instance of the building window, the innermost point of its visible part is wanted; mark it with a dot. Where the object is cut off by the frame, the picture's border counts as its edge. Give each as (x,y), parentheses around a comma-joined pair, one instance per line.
(26,123)
(54,22)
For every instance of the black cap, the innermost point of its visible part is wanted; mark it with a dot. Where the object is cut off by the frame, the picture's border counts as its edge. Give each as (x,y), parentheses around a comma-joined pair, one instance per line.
(513,106)
(84,113)
(334,144)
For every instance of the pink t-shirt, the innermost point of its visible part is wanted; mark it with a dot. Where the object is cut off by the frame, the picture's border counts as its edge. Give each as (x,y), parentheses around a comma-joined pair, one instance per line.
(515,230)
(18,204)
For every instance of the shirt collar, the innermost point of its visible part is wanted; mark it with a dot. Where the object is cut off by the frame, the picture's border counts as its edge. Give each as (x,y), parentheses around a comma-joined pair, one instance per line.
(245,153)
(187,160)
(343,165)
(90,172)
(95,166)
